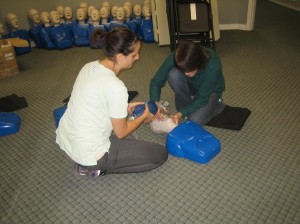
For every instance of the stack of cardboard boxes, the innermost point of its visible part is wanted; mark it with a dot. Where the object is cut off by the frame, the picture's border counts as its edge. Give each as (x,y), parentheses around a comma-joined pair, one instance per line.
(8,61)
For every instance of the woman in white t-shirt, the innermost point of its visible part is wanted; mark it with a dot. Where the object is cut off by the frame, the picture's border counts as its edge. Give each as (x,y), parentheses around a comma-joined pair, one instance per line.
(98,106)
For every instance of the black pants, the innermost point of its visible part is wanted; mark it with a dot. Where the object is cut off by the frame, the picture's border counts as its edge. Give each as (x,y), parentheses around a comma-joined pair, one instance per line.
(131,156)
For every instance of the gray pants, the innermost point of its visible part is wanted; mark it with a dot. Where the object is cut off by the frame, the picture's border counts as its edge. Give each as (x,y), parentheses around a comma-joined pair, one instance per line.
(131,156)
(184,91)
(214,107)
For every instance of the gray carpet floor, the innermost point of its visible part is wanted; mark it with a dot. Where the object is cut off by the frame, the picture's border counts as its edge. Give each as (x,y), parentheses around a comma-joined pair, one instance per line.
(255,178)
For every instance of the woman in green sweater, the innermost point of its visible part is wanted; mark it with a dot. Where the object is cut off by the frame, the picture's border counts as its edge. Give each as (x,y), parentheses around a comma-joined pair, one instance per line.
(195,75)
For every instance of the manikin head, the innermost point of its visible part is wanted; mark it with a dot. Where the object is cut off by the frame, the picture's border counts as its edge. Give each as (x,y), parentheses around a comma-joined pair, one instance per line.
(120,15)
(137,11)
(128,12)
(45,18)
(114,11)
(90,9)
(60,11)
(12,21)
(146,11)
(84,6)
(128,4)
(81,15)
(95,16)
(104,14)
(34,17)
(147,2)
(68,14)
(1,30)
(107,5)
(54,18)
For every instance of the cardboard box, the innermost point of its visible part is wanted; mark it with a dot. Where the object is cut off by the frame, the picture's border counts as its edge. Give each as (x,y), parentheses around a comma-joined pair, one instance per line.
(8,61)
(18,42)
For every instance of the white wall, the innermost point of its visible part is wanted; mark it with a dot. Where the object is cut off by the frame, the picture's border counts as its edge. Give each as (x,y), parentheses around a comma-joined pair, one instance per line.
(236,14)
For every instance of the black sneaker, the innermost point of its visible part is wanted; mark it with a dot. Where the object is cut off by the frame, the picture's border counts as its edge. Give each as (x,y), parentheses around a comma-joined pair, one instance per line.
(81,171)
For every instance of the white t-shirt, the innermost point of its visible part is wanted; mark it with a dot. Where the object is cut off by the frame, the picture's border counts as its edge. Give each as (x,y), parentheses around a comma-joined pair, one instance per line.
(84,129)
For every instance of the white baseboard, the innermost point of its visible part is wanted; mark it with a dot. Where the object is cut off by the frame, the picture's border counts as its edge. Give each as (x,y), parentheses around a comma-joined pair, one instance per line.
(289,4)
(234,27)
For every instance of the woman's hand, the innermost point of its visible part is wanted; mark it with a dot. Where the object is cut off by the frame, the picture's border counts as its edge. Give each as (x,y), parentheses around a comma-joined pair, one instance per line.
(131,106)
(147,115)
(176,118)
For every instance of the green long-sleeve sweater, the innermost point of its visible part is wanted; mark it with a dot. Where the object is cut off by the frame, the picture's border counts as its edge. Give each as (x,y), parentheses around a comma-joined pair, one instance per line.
(207,81)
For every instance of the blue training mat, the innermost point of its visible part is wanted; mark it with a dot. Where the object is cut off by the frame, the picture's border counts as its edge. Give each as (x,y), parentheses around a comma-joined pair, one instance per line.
(9,123)
(191,141)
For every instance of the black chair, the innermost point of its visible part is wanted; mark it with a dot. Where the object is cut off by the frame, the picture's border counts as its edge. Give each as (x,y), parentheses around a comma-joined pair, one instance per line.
(190,20)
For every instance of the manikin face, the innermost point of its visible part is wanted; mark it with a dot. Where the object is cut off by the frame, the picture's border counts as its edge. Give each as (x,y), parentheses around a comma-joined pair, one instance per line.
(68,13)
(104,12)
(54,18)
(147,2)
(128,4)
(45,17)
(107,5)
(127,11)
(12,20)
(34,16)
(1,29)
(95,15)
(80,14)
(146,11)
(83,5)
(90,9)
(60,11)
(137,10)
(120,14)
(114,11)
